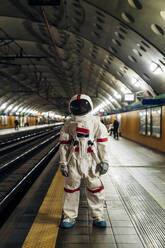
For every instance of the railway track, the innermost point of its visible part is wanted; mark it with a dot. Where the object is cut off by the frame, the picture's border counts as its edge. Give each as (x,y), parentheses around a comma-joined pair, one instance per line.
(24,142)
(6,140)
(18,174)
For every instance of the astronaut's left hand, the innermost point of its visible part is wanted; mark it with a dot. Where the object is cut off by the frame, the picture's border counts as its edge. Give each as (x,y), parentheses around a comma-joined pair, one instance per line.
(64,170)
(102,168)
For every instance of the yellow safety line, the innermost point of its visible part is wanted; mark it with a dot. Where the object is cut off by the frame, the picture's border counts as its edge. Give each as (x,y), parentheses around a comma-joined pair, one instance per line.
(155,171)
(43,233)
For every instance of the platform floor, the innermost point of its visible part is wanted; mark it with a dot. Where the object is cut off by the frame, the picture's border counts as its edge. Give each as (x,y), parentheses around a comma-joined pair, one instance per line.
(134,206)
(22,129)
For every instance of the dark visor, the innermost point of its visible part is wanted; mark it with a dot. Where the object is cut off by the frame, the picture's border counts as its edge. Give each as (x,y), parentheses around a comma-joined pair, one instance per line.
(80,107)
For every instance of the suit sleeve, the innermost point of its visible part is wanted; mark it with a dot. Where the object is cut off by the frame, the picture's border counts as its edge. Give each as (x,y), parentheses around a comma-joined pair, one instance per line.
(101,137)
(65,142)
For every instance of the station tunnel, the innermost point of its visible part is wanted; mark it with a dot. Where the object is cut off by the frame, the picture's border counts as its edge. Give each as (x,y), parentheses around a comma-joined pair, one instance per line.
(112,51)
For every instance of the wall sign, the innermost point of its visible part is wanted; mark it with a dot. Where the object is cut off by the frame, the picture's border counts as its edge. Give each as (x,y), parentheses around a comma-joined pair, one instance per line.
(129,97)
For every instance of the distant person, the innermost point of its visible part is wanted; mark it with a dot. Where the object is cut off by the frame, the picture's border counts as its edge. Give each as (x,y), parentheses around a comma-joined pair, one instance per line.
(16,123)
(115,129)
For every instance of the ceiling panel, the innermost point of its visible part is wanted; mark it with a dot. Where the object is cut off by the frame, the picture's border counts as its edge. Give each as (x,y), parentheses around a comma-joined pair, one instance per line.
(100,48)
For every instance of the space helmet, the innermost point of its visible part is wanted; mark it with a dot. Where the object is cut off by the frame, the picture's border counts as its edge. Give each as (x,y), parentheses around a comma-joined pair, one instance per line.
(80,105)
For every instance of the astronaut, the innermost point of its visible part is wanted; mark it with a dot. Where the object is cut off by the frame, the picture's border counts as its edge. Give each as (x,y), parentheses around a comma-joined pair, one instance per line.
(83,154)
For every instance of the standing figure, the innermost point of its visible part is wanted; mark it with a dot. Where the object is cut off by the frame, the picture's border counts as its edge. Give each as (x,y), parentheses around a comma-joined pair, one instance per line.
(16,123)
(115,129)
(83,154)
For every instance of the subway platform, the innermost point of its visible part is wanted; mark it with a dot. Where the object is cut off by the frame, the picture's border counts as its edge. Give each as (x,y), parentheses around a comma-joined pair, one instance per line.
(134,206)
(23,129)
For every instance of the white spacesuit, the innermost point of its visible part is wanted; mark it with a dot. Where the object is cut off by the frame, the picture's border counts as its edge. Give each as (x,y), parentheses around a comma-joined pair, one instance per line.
(83,154)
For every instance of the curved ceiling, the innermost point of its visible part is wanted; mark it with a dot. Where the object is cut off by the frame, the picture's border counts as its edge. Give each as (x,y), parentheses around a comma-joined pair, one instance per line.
(105,49)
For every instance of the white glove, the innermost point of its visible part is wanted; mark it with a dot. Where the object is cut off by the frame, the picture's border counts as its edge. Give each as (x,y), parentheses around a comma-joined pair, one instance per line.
(102,167)
(64,170)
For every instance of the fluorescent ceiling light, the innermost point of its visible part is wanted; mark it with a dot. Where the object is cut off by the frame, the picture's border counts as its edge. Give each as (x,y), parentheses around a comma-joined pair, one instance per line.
(4,105)
(34,112)
(156,68)
(125,90)
(29,110)
(134,80)
(9,108)
(25,109)
(15,108)
(137,83)
(111,99)
(117,95)
(20,109)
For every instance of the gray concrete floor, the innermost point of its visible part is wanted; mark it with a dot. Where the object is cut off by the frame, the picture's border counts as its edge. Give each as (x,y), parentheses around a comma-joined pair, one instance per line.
(136,172)
(145,165)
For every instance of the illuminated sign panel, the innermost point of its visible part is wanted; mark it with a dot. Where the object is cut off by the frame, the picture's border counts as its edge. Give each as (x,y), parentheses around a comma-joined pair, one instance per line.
(129,97)
(44,2)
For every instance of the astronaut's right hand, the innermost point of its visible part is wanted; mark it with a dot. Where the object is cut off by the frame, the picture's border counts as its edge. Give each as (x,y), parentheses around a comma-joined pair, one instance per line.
(64,170)
(102,168)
